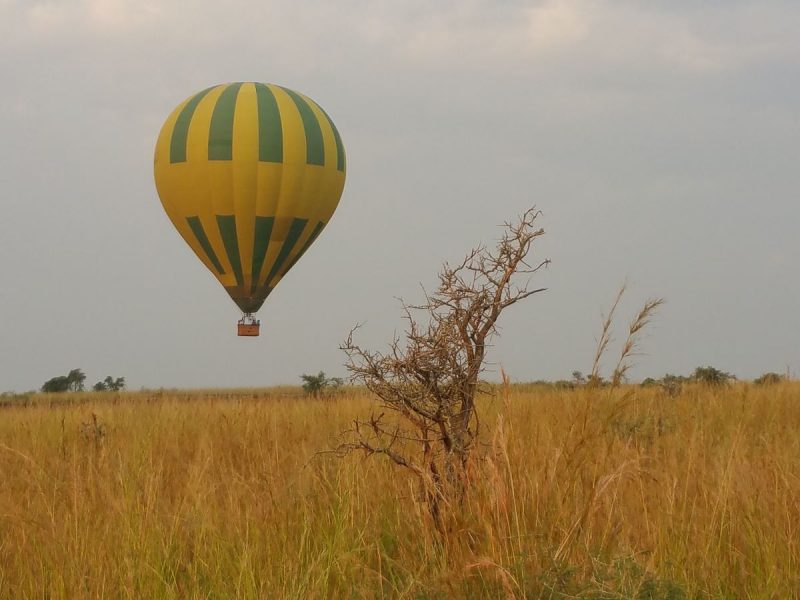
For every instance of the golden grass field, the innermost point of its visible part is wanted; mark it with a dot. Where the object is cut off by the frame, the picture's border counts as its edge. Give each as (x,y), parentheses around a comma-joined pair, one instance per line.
(225,495)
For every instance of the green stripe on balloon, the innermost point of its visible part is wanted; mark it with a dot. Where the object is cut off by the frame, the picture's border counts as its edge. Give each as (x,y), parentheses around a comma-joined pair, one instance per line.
(202,239)
(339,146)
(315,147)
(220,135)
(340,159)
(263,231)
(317,230)
(295,229)
(270,130)
(227,229)
(180,133)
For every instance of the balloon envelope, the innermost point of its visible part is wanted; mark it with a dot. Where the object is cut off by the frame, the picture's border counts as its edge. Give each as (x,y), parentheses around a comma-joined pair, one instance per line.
(249,174)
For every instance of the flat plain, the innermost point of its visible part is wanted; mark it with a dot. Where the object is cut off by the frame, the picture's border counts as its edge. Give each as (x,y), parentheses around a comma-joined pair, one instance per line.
(588,493)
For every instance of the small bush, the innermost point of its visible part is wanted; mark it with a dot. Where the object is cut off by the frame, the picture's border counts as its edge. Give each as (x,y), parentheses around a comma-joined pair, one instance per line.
(109,384)
(673,384)
(318,385)
(711,376)
(71,382)
(770,379)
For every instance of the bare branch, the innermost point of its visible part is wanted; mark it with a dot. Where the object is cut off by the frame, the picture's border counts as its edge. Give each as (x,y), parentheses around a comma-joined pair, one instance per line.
(429,377)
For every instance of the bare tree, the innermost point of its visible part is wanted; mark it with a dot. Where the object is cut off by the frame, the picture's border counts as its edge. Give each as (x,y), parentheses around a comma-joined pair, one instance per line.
(428,381)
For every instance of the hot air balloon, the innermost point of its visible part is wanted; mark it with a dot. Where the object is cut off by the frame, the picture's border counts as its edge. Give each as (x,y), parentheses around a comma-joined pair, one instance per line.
(249,174)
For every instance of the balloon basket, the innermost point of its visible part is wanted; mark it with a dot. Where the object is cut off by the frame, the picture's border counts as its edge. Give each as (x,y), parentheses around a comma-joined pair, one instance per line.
(248,327)
(248,330)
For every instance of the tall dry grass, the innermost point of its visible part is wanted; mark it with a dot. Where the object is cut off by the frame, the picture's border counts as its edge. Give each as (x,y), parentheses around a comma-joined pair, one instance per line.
(626,493)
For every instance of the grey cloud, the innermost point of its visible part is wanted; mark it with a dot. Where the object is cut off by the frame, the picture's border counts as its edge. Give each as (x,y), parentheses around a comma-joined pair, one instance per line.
(659,138)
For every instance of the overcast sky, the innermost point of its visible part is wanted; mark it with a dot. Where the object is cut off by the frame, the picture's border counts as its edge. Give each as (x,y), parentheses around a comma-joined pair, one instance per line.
(661,140)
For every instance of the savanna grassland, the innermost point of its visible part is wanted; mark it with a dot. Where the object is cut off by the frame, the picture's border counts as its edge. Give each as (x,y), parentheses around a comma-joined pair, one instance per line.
(626,493)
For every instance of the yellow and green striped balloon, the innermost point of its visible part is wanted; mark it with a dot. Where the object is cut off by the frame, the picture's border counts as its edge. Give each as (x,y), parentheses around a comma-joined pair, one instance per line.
(249,174)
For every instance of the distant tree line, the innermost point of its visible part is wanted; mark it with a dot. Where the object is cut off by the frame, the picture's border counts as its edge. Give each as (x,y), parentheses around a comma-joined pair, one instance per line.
(74,381)
(672,384)
(710,376)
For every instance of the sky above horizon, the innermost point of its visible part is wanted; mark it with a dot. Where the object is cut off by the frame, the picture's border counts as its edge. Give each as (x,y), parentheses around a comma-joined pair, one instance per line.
(659,139)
